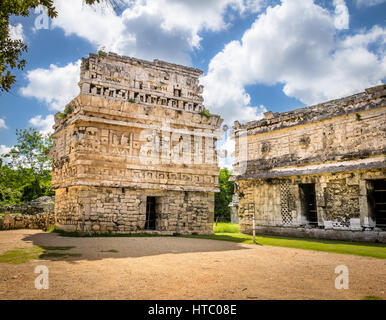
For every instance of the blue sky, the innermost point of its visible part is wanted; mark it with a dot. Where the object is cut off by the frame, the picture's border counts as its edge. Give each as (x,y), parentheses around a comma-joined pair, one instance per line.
(256,55)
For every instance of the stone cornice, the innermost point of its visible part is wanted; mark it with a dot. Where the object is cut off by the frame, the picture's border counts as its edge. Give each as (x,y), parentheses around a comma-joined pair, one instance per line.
(373,163)
(374,97)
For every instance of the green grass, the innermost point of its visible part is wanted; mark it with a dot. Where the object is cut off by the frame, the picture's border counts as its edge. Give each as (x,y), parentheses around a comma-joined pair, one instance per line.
(376,250)
(58,248)
(224,227)
(59,255)
(111,250)
(50,229)
(21,255)
(12,214)
(372,298)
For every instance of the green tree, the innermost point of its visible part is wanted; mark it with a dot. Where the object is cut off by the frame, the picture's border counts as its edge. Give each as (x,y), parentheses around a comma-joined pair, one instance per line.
(11,186)
(11,50)
(224,197)
(26,170)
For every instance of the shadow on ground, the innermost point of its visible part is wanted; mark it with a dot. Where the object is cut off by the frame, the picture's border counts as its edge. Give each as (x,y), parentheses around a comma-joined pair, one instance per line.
(96,248)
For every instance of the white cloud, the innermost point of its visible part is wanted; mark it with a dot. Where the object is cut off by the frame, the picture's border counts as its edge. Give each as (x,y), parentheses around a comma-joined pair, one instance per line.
(16,32)
(364,38)
(342,16)
(44,124)
(226,160)
(2,124)
(368,3)
(163,29)
(306,55)
(4,149)
(55,86)
(100,27)
(190,15)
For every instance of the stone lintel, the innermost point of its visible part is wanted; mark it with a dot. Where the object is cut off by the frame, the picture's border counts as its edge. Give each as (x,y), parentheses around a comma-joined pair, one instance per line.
(135,186)
(287,172)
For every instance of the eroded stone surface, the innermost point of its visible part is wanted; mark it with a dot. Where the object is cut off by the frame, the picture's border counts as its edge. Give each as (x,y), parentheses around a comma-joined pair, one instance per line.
(338,147)
(136,130)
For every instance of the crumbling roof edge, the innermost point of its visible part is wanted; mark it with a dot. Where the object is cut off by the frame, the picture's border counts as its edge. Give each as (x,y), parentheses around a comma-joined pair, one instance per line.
(155,62)
(289,173)
(295,115)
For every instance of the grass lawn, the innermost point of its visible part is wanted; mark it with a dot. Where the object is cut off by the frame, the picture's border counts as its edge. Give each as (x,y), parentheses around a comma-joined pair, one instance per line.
(225,227)
(376,250)
(22,255)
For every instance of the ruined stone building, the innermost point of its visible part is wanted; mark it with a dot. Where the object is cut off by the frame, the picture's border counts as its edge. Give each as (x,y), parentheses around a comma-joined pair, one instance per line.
(318,171)
(135,150)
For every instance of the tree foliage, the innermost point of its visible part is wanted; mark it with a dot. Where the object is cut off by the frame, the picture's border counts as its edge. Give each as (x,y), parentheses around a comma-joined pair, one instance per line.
(25,172)
(11,50)
(224,197)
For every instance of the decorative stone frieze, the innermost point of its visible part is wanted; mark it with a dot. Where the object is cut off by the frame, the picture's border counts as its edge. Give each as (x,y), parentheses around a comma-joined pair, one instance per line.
(134,146)
(324,169)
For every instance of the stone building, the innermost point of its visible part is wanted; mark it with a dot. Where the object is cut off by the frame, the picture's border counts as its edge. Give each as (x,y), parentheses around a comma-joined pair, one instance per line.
(317,171)
(135,150)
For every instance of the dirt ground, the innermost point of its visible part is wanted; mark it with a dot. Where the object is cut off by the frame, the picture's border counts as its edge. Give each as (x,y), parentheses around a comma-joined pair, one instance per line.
(180,268)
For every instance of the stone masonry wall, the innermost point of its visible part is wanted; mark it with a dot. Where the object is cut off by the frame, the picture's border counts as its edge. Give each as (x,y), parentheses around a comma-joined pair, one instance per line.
(338,146)
(25,221)
(344,130)
(137,129)
(341,201)
(120,210)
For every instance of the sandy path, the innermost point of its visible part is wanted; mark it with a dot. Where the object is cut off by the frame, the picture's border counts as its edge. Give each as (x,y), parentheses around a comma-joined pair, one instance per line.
(179,268)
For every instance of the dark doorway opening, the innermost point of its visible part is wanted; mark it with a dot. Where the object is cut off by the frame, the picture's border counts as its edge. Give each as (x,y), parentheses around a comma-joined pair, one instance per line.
(308,198)
(377,200)
(151,214)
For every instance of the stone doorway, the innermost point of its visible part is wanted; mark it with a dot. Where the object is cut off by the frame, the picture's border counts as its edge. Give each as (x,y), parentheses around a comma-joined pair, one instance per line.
(151,214)
(308,199)
(377,201)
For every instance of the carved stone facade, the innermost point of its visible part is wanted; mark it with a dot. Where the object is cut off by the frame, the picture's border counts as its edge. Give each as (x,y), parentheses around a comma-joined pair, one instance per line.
(134,151)
(318,171)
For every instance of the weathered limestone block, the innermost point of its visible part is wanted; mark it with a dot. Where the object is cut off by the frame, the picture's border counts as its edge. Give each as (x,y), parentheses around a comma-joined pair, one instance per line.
(23,221)
(135,148)
(9,221)
(316,171)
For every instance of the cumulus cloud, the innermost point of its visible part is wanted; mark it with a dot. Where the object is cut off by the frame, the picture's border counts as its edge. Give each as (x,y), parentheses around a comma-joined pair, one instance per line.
(16,32)
(99,26)
(342,16)
(163,29)
(4,149)
(305,55)
(44,124)
(226,147)
(2,124)
(54,86)
(368,3)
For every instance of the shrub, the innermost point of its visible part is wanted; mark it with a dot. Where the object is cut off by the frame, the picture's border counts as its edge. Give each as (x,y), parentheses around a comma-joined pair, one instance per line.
(205,113)
(67,110)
